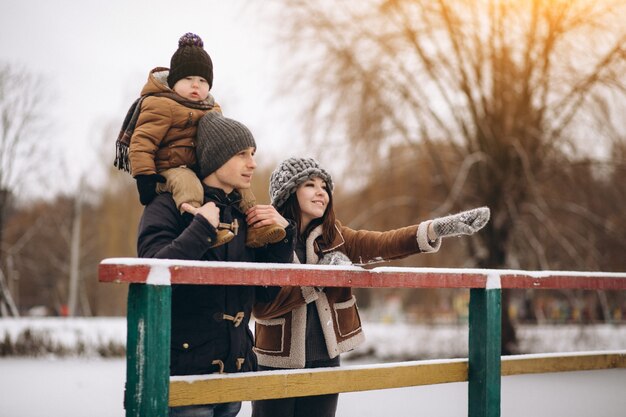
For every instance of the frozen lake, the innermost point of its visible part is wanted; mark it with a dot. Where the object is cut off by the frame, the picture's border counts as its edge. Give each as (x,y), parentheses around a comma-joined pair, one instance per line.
(94,388)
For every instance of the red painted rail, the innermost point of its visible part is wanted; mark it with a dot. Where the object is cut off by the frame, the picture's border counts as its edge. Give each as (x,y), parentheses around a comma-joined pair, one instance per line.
(166,272)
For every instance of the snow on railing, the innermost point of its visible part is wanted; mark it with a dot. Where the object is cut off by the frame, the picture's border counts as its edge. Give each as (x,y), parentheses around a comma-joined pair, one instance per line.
(170,271)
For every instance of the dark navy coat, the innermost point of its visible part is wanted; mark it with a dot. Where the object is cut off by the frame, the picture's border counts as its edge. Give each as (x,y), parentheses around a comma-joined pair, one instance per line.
(202,339)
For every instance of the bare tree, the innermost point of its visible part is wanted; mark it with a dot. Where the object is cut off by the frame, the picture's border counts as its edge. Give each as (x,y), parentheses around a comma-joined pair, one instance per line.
(502,94)
(21,109)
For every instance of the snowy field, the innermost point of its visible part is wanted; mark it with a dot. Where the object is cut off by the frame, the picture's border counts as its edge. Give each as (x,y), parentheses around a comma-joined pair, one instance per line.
(90,337)
(84,384)
(94,388)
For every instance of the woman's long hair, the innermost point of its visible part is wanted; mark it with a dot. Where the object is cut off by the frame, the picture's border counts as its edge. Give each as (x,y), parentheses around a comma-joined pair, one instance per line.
(291,211)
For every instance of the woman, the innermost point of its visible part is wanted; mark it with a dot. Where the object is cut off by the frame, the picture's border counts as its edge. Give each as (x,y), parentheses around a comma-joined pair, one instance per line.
(309,327)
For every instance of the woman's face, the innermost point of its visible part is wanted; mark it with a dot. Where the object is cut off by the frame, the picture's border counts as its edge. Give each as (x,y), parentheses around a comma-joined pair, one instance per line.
(312,199)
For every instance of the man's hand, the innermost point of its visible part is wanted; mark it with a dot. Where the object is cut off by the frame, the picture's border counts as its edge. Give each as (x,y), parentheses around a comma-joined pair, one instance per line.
(209,211)
(263,215)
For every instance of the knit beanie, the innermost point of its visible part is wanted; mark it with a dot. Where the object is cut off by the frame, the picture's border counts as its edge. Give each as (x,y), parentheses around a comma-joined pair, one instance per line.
(190,59)
(219,139)
(292,172)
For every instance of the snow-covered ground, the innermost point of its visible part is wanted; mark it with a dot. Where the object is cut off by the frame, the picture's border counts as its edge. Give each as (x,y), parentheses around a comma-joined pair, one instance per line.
(92,337)
(402,341)
(78,387)
(85,384)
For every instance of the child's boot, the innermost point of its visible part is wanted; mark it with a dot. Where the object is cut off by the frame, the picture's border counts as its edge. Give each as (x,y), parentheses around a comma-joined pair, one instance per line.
(260,236)
(225,233)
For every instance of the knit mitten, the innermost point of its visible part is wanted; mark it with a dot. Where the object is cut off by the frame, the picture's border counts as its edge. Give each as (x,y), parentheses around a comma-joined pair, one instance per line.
(463,223)
(335,258)
(146,185)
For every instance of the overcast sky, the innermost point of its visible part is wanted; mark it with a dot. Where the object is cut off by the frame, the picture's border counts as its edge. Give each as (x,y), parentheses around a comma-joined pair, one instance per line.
(95,57)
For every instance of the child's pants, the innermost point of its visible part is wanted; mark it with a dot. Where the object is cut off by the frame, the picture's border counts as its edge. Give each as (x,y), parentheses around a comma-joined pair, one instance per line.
(184,185)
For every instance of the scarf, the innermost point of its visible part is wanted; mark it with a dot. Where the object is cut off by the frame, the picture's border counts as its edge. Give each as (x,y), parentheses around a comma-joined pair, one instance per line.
(122,143)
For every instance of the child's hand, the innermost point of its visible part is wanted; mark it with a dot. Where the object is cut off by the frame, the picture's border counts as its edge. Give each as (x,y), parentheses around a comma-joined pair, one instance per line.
(263,215)
(146,185)
(209,211)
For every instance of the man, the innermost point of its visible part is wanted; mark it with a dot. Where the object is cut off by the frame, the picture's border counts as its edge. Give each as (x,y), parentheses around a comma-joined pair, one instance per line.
(210,330)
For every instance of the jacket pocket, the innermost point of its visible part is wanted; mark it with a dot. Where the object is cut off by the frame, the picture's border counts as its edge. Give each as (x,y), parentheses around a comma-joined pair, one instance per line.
(189,359)
(270,336)
(182,153)
(195,344)
(347,317)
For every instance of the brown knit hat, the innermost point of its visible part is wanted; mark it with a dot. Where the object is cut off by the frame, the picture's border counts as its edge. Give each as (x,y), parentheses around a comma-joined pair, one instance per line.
(190,59)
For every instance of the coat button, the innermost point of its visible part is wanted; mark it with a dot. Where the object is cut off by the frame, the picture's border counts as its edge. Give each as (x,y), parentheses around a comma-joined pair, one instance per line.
(185,345)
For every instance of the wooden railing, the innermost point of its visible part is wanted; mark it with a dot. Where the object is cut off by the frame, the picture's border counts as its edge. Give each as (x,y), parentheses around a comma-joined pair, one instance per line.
(150,390)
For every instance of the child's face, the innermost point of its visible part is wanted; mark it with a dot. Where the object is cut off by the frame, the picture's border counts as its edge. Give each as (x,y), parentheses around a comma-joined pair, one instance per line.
(192,88)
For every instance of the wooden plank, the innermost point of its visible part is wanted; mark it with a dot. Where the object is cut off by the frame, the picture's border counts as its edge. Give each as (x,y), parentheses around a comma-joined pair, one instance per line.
(582,361)
(148,350)
(115,273)
(563,280)
(242,273)
(282,384)
(484,353)
(328,277)
(135,270)
(212,389)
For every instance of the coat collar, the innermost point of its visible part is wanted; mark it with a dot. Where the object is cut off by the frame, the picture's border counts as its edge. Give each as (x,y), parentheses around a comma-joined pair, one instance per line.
(219,196)
(313,248)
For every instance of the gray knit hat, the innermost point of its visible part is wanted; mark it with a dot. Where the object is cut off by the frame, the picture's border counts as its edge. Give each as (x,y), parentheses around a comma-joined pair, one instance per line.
(219,139)
(293,172)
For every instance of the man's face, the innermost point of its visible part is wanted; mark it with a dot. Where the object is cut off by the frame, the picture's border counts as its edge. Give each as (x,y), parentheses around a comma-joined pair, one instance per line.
(236,173)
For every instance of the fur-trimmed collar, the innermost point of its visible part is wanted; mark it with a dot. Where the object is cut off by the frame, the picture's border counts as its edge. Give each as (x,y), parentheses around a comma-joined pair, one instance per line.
(313,247)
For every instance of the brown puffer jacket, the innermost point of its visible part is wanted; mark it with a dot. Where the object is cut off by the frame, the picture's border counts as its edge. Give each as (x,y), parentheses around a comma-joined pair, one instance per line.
(166,130)
(280,340)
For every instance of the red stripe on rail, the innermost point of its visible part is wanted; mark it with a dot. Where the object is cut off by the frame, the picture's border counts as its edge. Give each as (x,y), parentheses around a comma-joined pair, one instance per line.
(560,280)
(134,270)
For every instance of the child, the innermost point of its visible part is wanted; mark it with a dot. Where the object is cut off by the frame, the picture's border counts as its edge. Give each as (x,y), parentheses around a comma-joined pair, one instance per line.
(157,141)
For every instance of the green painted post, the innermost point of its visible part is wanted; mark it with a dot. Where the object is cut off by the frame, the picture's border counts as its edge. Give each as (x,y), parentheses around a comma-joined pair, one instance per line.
(484,351)
(148,337)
